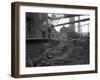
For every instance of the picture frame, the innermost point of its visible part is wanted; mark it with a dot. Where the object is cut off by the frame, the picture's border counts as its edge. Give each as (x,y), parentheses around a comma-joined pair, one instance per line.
(29,19)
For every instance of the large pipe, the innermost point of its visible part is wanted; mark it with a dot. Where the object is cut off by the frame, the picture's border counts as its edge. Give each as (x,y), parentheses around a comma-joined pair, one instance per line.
(82,20)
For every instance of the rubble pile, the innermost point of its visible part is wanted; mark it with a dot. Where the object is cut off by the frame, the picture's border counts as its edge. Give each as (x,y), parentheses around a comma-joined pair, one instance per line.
(63,52)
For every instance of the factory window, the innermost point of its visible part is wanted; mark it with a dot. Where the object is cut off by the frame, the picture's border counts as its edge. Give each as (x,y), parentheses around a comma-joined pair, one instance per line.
(49,30)
(43,34)
(49,35)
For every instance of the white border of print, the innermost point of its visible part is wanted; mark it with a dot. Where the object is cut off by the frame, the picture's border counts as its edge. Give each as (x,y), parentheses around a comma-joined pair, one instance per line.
(53,69)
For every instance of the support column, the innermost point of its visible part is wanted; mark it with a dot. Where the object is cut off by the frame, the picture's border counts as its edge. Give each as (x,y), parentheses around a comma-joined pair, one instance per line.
(72,26)
(79,26)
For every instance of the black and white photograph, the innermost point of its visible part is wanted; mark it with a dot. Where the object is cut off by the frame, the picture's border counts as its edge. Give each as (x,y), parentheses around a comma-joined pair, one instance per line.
(52,39)
(57,39)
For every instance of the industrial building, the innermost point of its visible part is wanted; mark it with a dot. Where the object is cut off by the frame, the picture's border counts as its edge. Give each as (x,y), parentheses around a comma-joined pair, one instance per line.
(52,39)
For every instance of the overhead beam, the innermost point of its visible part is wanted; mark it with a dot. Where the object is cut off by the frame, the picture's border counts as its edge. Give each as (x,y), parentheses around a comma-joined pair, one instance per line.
(65,16)
(82,20)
